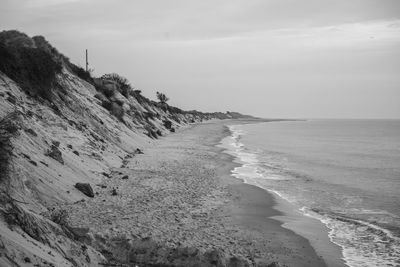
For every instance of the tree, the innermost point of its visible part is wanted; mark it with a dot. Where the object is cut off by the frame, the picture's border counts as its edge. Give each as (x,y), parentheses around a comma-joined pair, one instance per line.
(162,98)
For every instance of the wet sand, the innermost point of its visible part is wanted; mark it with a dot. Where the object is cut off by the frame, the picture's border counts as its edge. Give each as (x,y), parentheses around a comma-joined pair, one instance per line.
(180,193)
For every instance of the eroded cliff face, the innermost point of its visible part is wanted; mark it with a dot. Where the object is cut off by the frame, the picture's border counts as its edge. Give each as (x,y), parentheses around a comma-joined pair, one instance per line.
(74,135)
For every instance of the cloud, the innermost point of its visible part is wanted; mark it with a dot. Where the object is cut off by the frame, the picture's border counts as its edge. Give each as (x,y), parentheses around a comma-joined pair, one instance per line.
(265,57)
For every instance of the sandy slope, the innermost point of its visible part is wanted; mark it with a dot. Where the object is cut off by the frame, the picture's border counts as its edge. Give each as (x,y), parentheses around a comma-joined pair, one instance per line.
(90,140)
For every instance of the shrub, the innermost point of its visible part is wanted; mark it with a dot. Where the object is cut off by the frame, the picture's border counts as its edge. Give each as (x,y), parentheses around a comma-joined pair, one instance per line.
(107,105)
(136,93)
(162,98)
(124,86)
(8,128)
(33,69)
(15,38)
(81,73)
(117,111)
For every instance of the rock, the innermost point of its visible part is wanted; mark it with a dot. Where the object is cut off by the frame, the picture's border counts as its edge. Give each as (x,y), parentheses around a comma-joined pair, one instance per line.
(44,163)
(69,146)
(106,174)
(214,257)
(29,113)
(114,192)
(33,162)
(56,143)
(27,260)
(55,153)
(100,97)
(172,130)
(237,262)
(31,132)
(26,156)
(12,100)
(125,177)
(85,188)
(75,152)
(79,233)
(138,151)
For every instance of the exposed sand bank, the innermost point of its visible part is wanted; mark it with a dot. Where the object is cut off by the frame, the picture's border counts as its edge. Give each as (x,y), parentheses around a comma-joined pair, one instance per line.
(180,193)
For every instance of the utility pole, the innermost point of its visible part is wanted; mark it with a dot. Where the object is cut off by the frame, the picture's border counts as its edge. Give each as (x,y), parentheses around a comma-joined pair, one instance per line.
(87,63)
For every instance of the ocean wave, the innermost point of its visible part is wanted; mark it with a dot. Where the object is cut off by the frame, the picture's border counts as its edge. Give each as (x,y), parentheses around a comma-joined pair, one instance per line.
(363,243)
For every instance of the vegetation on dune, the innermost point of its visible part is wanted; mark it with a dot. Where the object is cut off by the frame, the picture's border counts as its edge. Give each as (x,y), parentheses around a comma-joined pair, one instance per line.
(43,44)
(33,69)
(8,128)
(124,87)
(33,63)
(81,73)
(162,98)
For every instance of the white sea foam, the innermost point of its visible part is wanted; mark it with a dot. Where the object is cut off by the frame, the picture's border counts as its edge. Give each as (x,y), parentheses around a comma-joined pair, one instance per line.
(347,233)
(362,243)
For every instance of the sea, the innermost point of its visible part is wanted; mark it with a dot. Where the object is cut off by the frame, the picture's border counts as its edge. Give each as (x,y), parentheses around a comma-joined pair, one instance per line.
(344,173)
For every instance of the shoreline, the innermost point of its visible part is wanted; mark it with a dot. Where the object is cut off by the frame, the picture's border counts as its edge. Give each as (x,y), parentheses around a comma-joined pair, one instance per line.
(292,219)
(180,193)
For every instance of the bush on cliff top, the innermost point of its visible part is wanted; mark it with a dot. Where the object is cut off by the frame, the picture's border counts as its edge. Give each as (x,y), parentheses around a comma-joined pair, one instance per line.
(33,63)
(43,44)
(33,69)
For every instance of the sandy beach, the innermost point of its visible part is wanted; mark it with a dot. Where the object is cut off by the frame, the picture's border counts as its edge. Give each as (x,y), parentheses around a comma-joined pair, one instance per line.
(179,193)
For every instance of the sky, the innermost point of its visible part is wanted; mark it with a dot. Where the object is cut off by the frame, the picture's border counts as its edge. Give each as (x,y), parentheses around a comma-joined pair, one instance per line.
(268,58)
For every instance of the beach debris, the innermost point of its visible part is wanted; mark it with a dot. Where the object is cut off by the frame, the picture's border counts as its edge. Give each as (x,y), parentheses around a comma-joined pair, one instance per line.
(114,192)
(31,132)
(69,146)
(55,153)
(79,233)
(106,174)
(85,188)
(44,163)
(138,151)
(75,152)
(12,99)
(125,177)
(168,124)
(26,156)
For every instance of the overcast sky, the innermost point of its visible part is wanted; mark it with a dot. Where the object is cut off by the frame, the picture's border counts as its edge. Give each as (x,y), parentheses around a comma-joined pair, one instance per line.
(270,58)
